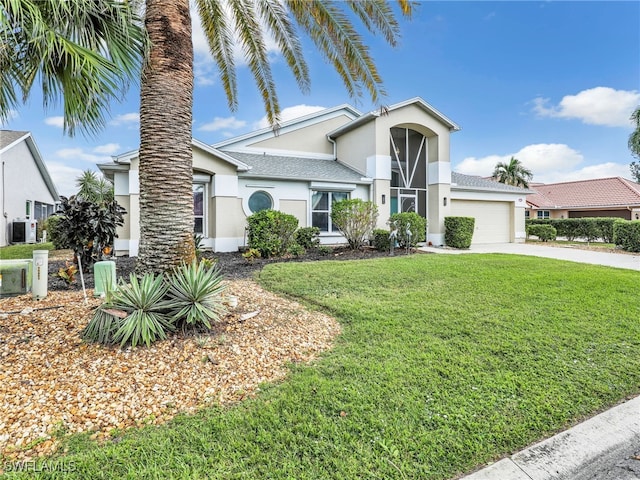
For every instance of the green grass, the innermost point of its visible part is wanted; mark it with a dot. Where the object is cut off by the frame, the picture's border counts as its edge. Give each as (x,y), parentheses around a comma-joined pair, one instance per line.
(445,362)
(23,251)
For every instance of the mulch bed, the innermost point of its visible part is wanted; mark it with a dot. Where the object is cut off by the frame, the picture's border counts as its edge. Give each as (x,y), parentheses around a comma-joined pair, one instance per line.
(52,382)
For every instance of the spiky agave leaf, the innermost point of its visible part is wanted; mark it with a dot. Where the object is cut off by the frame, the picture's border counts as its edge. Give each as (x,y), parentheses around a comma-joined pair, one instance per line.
(195,295)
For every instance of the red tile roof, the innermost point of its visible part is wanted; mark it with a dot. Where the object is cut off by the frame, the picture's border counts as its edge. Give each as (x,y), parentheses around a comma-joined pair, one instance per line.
(600,192)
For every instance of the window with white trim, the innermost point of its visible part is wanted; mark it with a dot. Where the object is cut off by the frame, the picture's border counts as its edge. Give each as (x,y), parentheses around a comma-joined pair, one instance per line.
(543,214)
(199,208)
(321,203)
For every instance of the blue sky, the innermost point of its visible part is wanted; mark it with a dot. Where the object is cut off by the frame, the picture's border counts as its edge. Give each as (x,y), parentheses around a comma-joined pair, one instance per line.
(551,83)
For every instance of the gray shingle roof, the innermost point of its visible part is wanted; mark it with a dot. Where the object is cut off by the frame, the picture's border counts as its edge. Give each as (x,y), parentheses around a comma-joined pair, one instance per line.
(7,137)
(297,168)
(479,183)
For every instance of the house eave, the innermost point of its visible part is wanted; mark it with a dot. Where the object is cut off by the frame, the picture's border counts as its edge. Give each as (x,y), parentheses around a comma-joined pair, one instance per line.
(361,181)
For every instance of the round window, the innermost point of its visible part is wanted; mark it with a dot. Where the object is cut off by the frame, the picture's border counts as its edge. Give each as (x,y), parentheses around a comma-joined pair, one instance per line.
(260,201)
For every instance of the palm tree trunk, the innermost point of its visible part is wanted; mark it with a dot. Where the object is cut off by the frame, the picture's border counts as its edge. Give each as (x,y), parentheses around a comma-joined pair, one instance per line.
(166,163)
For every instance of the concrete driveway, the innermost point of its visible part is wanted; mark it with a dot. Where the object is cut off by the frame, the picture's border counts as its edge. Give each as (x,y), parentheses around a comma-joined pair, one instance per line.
(619,260)
(605,447)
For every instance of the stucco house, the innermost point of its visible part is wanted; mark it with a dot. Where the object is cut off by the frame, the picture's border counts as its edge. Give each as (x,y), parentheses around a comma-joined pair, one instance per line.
(397,158)
(27,192)
(600,197)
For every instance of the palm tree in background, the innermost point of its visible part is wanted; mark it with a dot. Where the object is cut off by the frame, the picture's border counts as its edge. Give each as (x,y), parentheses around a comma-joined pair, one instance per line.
(634,144)
(512,173)
(166,97)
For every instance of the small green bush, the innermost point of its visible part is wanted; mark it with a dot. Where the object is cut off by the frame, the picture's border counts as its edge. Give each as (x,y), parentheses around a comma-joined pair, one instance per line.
(271,232)
(458,231)
(416,224)
(543,232)
(626,235)
(381,240)
(325,250)
(55,234)
(296,250)
(307,237)
(356,219)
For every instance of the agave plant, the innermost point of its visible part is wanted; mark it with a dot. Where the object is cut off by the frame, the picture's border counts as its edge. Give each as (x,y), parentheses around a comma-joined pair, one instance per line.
(103,325)
(143,301)
(195,295)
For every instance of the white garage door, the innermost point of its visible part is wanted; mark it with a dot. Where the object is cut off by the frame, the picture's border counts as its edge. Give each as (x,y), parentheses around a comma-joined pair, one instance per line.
(493,219)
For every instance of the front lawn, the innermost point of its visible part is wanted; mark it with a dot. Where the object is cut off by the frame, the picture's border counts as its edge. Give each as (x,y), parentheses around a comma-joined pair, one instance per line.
(22,251)
(445,362)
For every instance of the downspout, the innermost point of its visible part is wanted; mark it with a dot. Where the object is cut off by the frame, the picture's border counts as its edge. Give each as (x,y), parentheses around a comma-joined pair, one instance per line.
(335,147)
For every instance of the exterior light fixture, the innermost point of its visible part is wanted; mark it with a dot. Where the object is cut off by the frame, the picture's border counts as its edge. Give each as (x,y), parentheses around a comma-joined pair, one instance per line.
(444,201)
(384,200)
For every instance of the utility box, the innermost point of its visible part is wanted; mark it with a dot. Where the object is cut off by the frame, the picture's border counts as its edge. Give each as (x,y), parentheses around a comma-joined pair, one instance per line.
(40,273)
(15,277)
(104,277)
(23,231)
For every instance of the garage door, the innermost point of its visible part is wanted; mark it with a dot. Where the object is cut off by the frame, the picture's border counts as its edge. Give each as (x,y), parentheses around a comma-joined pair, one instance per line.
(493,219)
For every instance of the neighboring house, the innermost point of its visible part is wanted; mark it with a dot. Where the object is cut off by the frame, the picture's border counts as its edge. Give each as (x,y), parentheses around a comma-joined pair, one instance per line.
(397,158)
(601,197)
(27,193)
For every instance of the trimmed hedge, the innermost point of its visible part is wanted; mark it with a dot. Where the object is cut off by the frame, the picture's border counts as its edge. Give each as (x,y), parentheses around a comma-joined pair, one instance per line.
(458,231)
(588,228)
(543,232)
(626,234)
(271,232)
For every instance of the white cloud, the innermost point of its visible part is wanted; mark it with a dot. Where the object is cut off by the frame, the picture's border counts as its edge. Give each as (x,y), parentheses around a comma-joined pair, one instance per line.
(549,163)
(290,113)
(99,154)
(219,123)
(594,106)
(55,121)
(107,149)
(64,177)
(132,118)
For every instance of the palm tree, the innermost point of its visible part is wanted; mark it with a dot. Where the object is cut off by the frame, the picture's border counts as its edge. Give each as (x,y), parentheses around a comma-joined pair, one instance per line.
(512,173)
(93,188)
(166,99)
(634,138)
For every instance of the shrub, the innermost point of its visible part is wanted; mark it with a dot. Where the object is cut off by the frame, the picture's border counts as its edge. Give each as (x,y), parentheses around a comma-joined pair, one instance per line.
(296,250)
(381,240)
(54,233)
(324,250)
(195,296)
(543,232)
(307,237)
(356,219)
(271,232)
(626,234)
(587,228)
(458,231)
(415,224)
(89,228)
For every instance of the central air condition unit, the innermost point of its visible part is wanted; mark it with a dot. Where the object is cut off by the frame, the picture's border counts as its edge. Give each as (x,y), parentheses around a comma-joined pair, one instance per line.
(15,277)
(23,231)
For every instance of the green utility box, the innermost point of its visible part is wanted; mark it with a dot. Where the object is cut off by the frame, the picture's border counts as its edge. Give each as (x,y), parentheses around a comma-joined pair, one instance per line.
(104,277)
(15,277)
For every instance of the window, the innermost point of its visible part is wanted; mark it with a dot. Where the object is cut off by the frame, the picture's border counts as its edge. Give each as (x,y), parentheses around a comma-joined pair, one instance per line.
(198,209)
(527,214)
(321,209)
(260,200)
(543,213)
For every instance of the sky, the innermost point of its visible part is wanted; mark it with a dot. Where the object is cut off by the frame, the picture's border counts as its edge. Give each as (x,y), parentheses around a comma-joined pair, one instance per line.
(552,83)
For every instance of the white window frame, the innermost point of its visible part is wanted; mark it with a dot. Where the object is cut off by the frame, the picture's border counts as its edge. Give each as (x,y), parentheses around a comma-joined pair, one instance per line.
(543,214)
(330,230)
(204,216)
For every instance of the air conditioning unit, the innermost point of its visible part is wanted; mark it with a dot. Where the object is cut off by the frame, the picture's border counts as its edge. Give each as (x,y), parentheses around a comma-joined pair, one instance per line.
(15,277)
(23,231)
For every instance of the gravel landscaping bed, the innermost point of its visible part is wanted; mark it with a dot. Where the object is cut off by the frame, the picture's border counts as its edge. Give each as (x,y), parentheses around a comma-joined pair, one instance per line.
(52,383)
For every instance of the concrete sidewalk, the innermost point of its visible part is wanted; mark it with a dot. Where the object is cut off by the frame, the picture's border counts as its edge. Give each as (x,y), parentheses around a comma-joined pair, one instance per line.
(605,447)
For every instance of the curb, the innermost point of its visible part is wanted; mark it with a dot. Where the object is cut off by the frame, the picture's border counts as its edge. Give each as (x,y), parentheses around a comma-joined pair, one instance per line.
(575,453)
